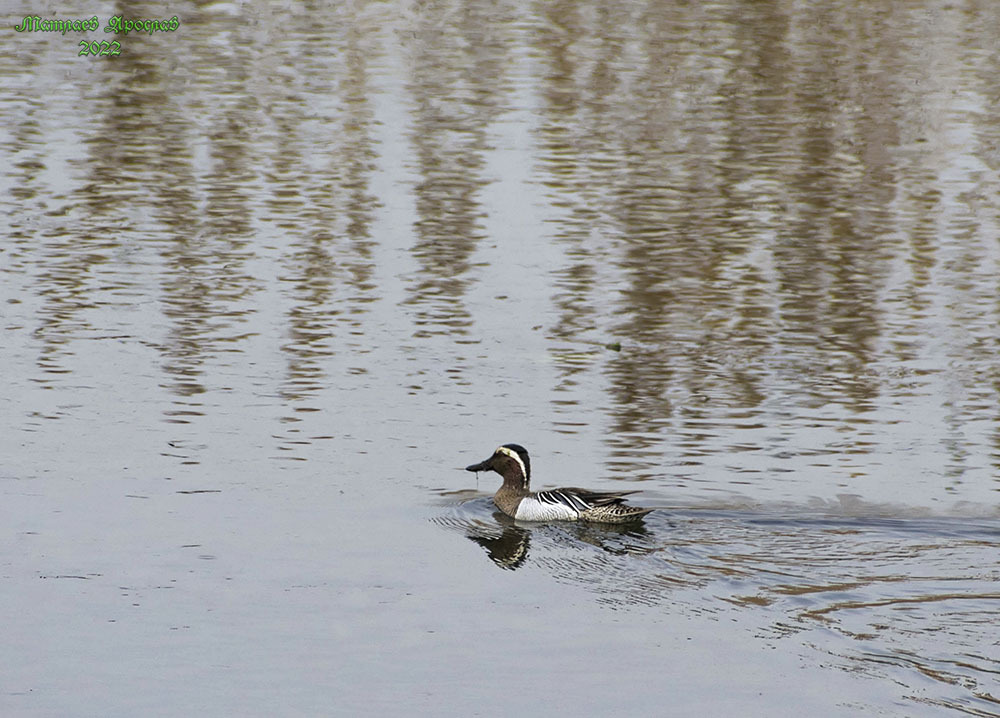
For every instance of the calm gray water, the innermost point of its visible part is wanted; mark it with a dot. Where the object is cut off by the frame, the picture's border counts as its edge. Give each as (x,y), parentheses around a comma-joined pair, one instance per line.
(268,281)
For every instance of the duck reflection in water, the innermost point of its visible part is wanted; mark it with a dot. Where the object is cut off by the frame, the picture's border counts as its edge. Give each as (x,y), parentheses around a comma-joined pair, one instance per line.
(508,542)
(507,550)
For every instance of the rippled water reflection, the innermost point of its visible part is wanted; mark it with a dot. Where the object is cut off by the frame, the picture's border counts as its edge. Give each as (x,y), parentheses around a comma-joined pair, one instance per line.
(267,279)
(890,597)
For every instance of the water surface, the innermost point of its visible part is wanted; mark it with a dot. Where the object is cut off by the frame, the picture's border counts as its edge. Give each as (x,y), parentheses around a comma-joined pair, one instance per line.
(268,281)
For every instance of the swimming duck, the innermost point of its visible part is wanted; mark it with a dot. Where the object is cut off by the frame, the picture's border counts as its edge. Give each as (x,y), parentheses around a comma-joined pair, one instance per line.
(516,499)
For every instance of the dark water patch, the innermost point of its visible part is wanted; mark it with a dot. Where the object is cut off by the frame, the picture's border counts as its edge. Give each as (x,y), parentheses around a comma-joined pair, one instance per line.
(67,575)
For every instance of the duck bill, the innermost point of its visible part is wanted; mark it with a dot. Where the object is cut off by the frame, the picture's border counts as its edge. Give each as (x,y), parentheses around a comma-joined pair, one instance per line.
(481,466)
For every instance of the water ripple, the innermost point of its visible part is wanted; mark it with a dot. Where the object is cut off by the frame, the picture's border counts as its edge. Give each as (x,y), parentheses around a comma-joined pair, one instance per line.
(889,587)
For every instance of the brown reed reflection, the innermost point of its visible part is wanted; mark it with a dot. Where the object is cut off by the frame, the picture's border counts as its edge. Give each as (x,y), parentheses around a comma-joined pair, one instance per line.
(456,82)
(752,182)
(325,202)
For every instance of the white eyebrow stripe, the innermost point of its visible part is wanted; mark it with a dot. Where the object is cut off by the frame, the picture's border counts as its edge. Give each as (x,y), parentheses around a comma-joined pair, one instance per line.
(513,454)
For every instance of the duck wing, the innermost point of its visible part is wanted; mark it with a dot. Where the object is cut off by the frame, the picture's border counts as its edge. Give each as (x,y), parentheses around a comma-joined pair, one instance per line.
(582,499)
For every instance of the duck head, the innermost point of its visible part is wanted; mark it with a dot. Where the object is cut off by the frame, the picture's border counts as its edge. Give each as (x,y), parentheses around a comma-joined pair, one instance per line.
(511,462)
